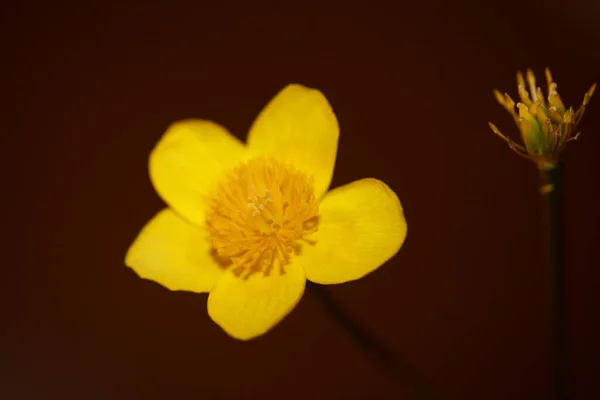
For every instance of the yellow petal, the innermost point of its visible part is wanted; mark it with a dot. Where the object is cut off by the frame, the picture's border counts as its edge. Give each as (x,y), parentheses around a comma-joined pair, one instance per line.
(361,226)
(523,94)
(175,254)
(500,98)
(531,83)
(548,77)
(299,126)
(189,160)
(554,99)
(248,308)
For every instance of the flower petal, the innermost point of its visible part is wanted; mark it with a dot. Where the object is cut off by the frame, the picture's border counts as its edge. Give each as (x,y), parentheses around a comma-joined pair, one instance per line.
(175,254)
(299,126)
(361,226)
(246,309)
(188,161)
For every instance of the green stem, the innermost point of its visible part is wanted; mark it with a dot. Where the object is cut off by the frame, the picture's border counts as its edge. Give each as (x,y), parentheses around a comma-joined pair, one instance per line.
(397,368)
(552,192)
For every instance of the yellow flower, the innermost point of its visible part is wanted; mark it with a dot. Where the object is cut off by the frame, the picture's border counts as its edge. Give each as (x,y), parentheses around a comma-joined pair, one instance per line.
(250,223)
(546,127)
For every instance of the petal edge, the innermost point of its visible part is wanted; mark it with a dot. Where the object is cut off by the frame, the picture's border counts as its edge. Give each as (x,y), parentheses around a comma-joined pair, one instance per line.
(248,309)
(299,126)
(188,161)
(173,253)
(361,226)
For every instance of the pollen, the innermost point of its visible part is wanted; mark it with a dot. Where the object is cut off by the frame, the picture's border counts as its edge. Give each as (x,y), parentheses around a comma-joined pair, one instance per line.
(260,216)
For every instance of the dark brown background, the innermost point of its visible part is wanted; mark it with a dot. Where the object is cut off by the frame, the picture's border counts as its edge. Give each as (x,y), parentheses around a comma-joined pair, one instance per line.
(90,87)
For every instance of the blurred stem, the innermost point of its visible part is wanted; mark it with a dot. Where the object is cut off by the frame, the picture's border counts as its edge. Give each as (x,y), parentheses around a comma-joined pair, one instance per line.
(399,369)
(552,192)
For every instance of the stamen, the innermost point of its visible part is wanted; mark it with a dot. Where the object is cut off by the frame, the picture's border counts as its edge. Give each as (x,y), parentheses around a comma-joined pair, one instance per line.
(255,231)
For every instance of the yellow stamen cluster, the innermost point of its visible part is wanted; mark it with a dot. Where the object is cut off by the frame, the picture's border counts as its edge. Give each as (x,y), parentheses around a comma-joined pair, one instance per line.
(260,215)
(546,125)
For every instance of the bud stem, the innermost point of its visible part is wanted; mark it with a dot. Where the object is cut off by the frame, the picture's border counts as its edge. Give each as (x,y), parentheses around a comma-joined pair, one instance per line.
(552,193)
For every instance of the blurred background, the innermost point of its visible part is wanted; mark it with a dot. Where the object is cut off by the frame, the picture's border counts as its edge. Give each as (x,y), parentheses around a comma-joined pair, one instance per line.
(89,87)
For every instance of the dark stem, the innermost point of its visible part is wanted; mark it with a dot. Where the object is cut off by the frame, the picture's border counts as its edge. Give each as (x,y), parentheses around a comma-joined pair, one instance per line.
(397,368)
(552,192)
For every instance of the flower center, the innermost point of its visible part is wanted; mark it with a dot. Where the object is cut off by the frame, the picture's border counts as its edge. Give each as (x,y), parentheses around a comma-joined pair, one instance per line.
(259,216)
